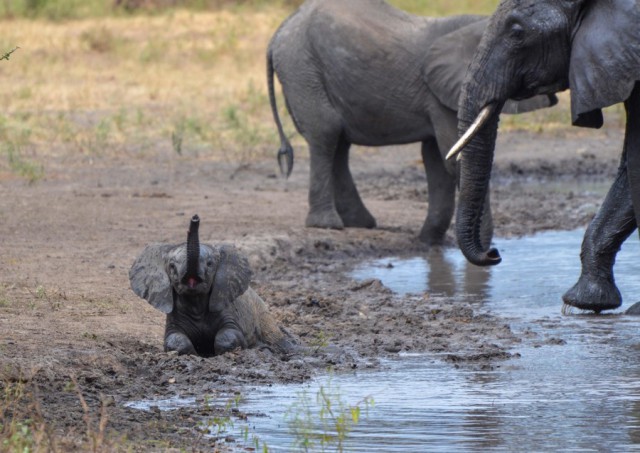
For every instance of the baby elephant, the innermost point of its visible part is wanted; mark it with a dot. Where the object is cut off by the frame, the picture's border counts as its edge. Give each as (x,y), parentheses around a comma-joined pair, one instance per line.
(204,290)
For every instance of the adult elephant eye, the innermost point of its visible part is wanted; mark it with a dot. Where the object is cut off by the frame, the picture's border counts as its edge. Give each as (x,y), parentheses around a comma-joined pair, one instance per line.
(516,29)
(210,263)
(173,268)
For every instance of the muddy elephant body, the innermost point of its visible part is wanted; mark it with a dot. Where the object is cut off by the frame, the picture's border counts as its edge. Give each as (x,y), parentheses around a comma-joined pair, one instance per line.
(246,323)
(533,47)
(205,292)
(362,72)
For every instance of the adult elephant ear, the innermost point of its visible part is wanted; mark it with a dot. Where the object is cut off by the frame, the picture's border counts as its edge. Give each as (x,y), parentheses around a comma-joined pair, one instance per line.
(233,275)
(446,65)
(149,279)
(605,58)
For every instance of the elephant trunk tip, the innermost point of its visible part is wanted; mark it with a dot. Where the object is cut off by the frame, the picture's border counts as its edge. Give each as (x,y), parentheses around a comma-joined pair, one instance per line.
(195,222)
(494,256)
(490,257)
(192,234)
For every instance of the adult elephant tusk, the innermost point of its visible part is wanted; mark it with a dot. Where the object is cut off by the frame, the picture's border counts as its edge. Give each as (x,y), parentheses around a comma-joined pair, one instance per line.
(482,118)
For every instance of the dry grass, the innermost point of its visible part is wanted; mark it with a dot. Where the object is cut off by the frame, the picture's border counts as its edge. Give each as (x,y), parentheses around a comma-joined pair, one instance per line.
(135,85)
(446,7)
(114,63)
(23,427)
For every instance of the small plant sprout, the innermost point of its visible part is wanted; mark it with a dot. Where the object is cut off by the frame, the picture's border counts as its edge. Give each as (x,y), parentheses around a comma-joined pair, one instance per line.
(326,424)
(321,340)
(41,293)
(222,421)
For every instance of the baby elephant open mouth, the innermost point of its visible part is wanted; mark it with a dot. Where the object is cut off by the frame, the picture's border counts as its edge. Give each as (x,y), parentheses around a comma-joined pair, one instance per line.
(205,292)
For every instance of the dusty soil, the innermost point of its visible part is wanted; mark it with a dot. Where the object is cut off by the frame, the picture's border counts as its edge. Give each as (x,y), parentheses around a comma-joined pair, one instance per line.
(67,243)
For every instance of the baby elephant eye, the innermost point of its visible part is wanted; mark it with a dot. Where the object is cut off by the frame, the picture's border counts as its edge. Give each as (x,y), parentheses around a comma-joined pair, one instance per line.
(173,267)
(210,263)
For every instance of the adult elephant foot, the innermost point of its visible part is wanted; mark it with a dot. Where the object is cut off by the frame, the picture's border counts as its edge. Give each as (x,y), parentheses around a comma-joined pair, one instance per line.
(594,294)
(328,219)
(357,219)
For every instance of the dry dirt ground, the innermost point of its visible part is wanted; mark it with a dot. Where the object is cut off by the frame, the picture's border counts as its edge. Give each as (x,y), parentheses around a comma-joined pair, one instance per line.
(67,242)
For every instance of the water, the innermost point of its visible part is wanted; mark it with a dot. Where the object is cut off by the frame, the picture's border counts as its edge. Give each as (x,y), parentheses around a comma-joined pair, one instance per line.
(166,404)
(580,396)
(533,404)
(534,273)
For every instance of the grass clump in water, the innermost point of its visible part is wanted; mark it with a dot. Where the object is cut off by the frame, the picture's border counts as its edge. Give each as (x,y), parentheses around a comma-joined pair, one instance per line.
(327,423)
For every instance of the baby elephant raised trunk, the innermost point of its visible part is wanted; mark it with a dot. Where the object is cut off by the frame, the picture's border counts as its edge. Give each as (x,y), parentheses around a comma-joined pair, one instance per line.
(191,277)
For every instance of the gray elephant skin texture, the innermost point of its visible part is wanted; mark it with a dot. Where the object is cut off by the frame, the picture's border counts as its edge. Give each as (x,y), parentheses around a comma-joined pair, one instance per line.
(534,47)
(205,292)
(362,72)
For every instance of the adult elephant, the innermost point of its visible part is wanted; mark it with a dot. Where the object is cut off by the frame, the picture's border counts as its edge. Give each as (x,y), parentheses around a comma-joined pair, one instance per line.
(362,72)
(540,47)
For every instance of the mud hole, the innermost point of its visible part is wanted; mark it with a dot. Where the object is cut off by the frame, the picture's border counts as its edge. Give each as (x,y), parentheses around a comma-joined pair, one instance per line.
(67,243)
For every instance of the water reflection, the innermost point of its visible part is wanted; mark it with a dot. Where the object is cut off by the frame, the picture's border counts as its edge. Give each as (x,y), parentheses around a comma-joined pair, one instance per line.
(443,279)
(440,271)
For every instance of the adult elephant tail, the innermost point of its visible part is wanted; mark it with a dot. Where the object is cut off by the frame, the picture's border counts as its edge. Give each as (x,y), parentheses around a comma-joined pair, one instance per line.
(285,153)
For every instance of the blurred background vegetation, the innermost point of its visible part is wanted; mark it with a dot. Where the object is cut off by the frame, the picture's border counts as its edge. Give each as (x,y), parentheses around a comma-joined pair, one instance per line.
(161,78)
(75,9)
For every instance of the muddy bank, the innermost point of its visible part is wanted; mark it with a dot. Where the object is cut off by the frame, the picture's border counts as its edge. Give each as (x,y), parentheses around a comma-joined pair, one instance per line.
(68,241)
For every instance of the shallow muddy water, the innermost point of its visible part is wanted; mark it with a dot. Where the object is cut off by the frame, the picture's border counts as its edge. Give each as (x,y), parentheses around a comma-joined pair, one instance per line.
(573,385)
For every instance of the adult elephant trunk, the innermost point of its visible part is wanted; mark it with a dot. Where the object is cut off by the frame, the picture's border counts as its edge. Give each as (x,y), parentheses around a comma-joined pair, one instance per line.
(478,126)
(191,277)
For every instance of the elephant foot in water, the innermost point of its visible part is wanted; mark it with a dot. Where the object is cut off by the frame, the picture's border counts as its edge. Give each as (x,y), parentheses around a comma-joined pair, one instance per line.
(593,293)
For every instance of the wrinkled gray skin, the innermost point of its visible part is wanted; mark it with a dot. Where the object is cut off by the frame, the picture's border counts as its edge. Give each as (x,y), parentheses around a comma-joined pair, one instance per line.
(215,311)
(541,47)
(362,72)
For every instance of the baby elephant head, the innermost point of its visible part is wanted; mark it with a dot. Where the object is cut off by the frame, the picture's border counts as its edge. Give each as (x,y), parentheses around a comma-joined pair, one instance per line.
(165,274)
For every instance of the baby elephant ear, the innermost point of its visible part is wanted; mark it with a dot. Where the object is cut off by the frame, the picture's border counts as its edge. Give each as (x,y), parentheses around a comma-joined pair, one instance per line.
(232,275)
(149,279)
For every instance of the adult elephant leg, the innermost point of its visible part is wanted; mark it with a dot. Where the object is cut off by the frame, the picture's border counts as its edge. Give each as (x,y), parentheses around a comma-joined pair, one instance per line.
(350,207)
(322,208)
(615,221)
(632,147)
(441,187)
(612,225)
